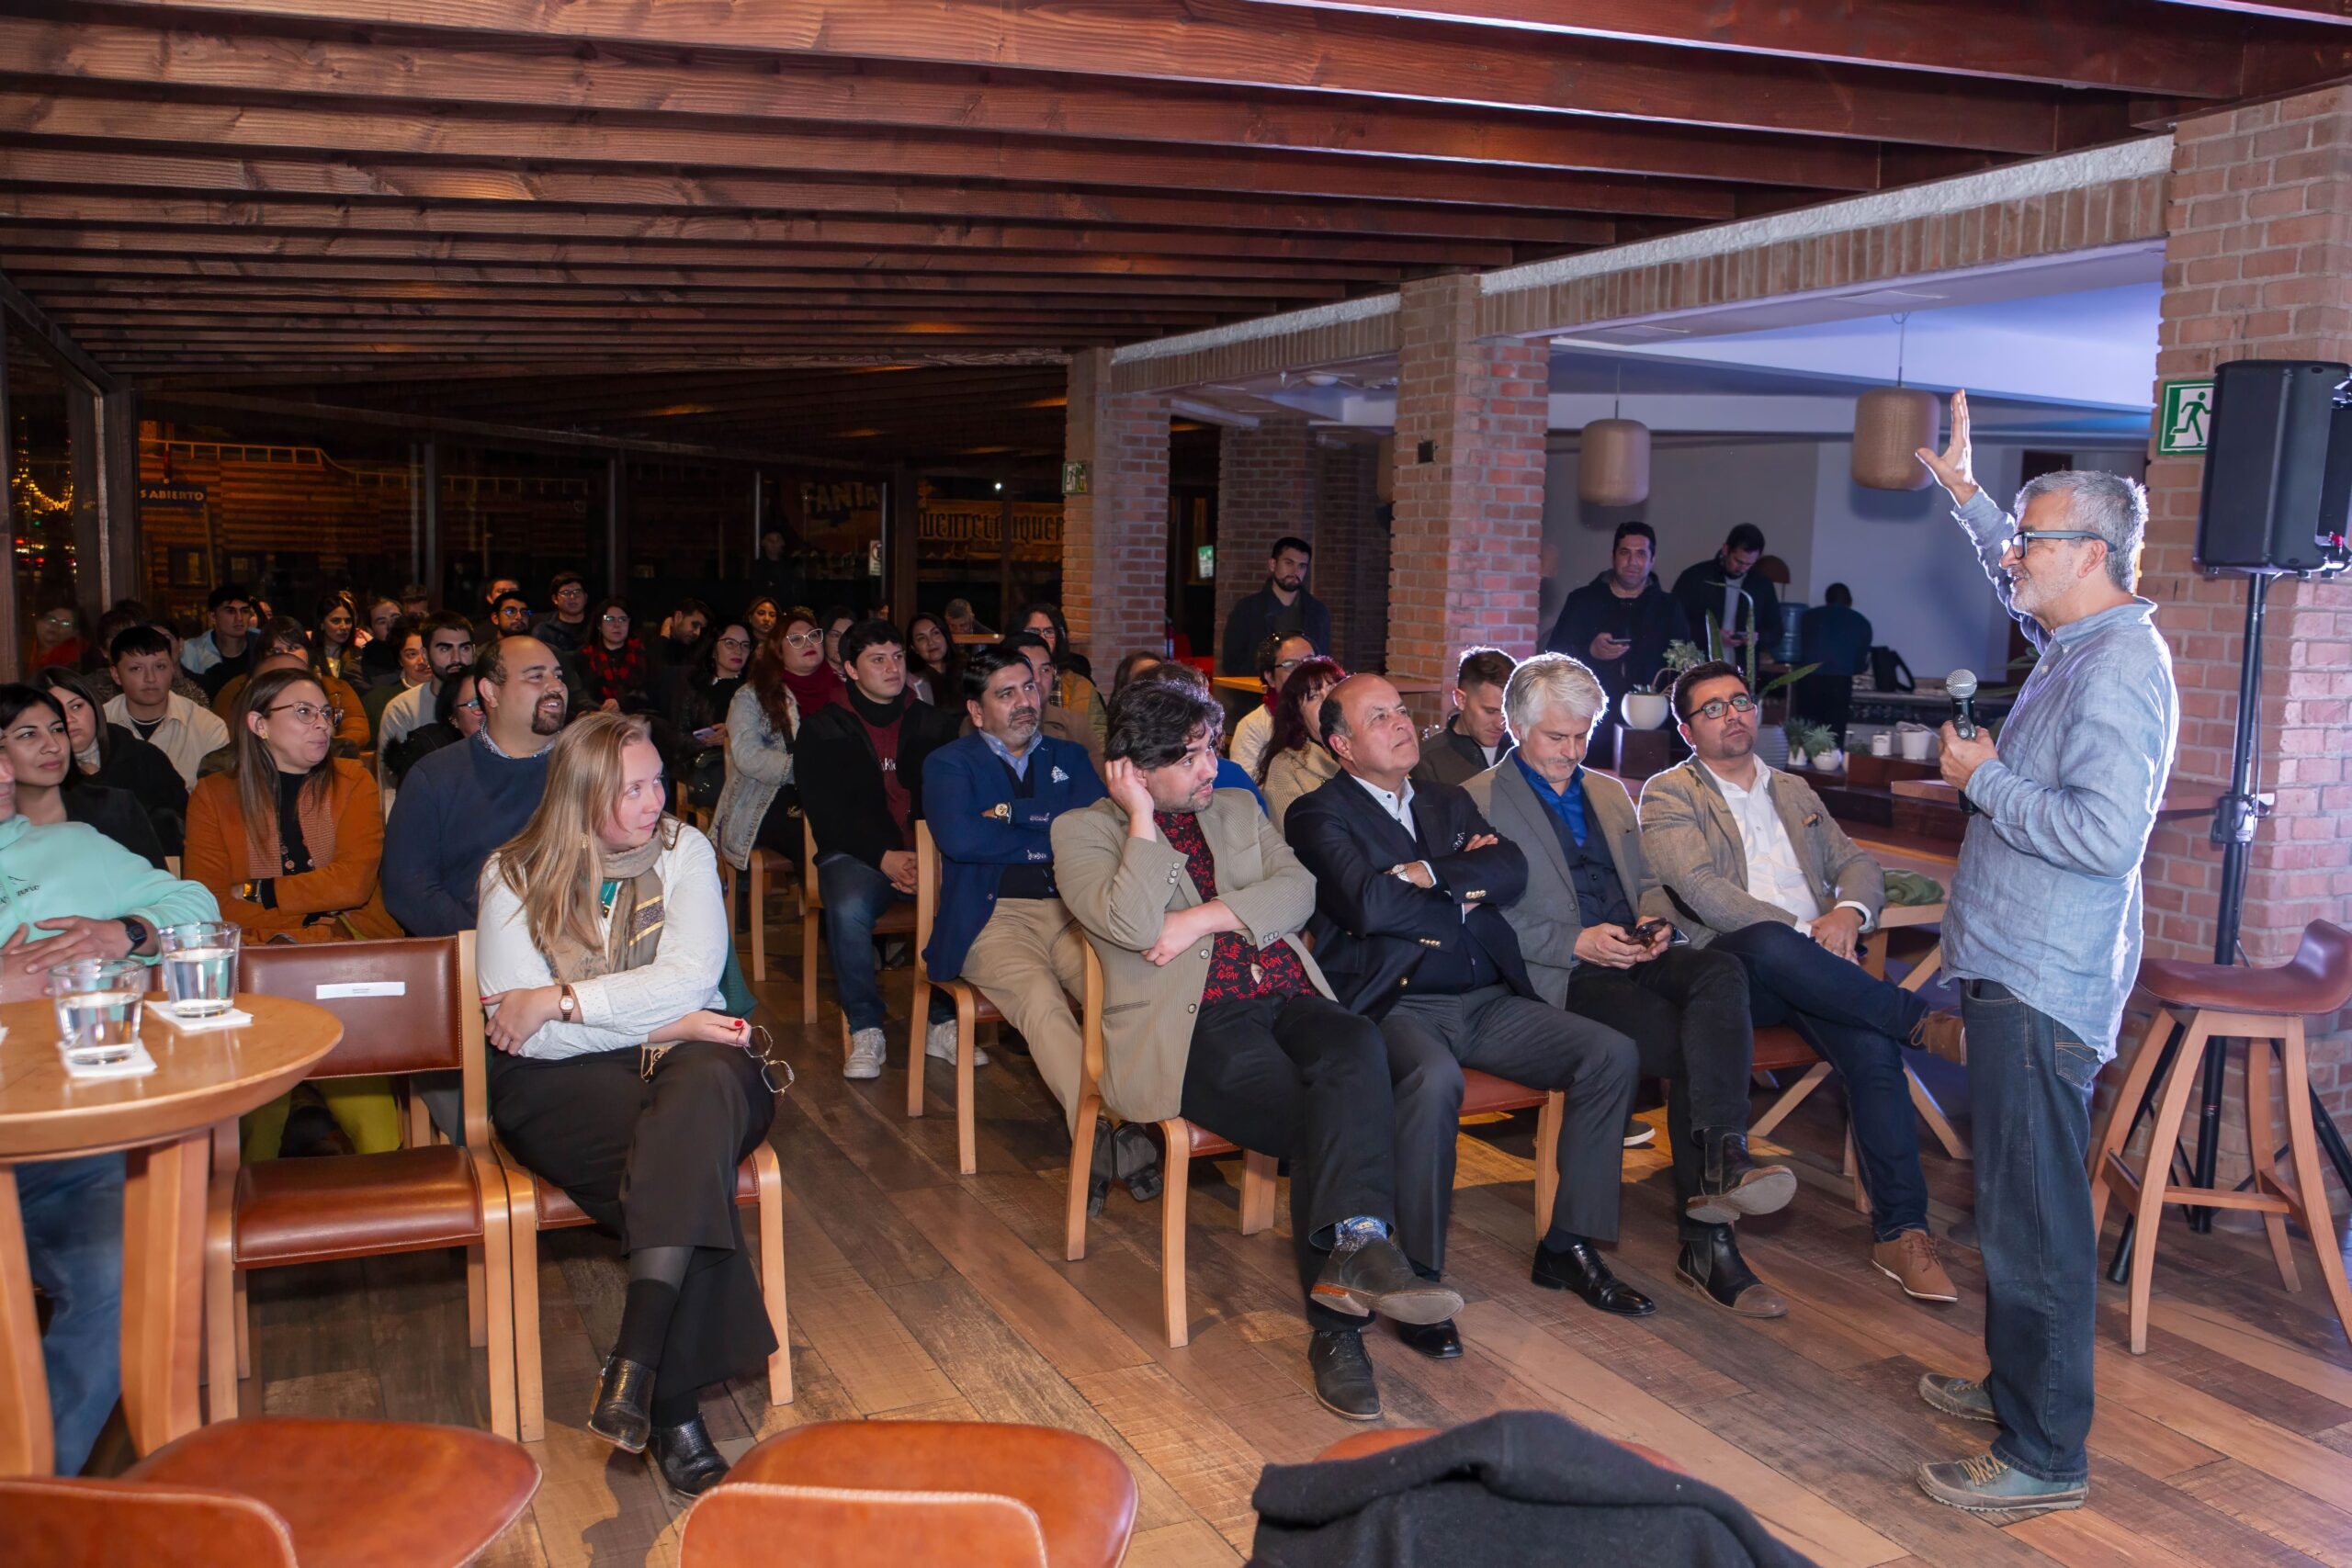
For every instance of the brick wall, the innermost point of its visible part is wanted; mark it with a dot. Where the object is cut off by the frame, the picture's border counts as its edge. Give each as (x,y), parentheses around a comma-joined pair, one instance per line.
(2257,265)
(1265,489)
(1114,537)
(1469,520)
(1351,553)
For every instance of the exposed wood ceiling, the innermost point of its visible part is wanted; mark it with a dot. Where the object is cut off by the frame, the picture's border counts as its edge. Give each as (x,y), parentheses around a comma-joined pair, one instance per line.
(686,219)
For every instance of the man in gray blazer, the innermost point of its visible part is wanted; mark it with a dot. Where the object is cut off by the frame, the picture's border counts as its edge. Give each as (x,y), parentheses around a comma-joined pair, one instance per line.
(1214,1010)
(1758,869)
(1586,949)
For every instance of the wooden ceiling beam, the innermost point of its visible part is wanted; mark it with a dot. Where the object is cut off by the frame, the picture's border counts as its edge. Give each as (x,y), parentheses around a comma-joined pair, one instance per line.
(722,85)
(101,292)
(626,142)
(1236,44)
(362,377)
(123,311)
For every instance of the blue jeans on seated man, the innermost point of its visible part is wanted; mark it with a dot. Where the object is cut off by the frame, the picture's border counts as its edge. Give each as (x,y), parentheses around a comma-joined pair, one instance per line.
(73,1215)
(1858,1023)
(2029,1100)
(857,895)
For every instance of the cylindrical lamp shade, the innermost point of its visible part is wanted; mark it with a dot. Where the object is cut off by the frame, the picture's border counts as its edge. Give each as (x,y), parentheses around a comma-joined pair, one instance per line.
(1614,469)
(1890,423)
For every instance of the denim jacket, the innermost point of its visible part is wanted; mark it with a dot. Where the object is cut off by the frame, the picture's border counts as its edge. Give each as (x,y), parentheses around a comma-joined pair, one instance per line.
(2046,900)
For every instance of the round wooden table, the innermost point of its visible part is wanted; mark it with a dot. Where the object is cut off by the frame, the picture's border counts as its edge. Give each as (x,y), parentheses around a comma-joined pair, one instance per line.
(165,1122)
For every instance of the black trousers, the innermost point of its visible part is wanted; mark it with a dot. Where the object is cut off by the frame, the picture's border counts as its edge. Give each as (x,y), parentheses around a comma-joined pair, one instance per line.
(653,1162)
(1687,1010)
(1305,1078)
(1431,1038)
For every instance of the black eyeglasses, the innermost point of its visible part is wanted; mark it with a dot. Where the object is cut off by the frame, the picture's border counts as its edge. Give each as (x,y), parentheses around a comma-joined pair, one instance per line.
(734,642)
(1721,705)
(2022,541)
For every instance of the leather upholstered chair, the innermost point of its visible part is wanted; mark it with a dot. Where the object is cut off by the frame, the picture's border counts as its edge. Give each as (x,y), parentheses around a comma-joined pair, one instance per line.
(274,1492)
(411,1005)
(853,1494)
(896,920)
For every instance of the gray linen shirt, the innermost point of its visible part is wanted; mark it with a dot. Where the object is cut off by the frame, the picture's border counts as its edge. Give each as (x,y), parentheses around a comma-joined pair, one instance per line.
(2047,897)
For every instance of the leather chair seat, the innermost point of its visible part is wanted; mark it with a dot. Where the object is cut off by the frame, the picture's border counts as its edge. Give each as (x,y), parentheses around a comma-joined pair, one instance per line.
(1781,1050)
(558,1211)
(2314,983)
(1483,1094)
(310,1210)
(1206,1144)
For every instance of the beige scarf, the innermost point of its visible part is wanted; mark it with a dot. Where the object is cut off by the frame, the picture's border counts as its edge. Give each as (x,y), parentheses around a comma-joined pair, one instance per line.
(632,921)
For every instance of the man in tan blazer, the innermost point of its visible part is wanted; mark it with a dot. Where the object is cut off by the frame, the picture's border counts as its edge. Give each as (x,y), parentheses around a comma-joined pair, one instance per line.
(1600,938)
(1758,869)
(1214,1010)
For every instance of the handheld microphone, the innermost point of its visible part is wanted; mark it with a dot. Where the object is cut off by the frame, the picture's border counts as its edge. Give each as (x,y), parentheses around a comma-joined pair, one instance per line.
(1960,686)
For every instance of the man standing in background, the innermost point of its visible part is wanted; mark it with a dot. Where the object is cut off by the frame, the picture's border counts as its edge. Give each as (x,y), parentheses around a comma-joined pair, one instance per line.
(1729,591)
(1283,606)
(1618,624)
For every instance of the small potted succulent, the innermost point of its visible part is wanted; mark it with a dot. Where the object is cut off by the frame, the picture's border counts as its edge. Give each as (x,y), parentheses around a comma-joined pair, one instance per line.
(1815,745)
(1646,707)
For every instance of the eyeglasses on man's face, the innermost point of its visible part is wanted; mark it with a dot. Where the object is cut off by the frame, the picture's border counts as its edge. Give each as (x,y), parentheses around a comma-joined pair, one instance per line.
(1721,705)
(308,714)
(2024,540)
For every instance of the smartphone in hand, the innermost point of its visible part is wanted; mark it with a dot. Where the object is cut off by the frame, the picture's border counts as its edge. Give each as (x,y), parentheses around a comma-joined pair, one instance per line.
(1646,932)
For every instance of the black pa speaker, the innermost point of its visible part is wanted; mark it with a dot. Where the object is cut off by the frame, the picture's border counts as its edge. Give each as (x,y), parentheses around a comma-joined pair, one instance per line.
(2277,467)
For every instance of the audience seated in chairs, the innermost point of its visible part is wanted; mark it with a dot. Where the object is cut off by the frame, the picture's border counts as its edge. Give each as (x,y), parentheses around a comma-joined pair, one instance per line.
(990,799)
(1409,884)
(65,893)
(1073,688)
(1598,936)
(1277,657)
(409,671)
(613,661)
(112,757)
(603,940)
(934,664)
(1134,667)
(284,638)
(859,765)
(1213,1012)
(692,697)
(1474,737)
(1758,870)
(1055,720)
(185,731)
(758,808)
(457,715)
(1295,760)
(448,648)
(52,790)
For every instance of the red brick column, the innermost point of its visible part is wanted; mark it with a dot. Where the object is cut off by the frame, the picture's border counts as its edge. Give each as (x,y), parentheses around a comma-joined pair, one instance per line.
(1265,489)
(1469,516)
(1351,553)
(1115,533)
(2257,265)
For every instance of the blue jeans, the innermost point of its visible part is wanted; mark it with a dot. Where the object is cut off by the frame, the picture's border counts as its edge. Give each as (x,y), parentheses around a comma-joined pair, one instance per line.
(72,1212)
(857,895)
(1858,1023)
(2029,1095)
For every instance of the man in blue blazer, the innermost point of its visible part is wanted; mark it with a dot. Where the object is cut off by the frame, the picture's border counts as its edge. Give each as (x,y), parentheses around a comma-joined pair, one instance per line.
(990,798)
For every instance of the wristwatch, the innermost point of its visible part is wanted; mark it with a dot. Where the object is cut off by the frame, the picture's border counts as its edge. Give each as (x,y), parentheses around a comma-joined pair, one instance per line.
(137,930)
(566,1004)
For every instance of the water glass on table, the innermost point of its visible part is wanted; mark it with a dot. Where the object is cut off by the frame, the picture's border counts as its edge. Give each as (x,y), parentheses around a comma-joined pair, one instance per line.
(97,1010)
(199,967)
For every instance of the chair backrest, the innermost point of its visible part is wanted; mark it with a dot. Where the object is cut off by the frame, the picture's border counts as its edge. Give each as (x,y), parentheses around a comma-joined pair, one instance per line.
(1090,1021)
(808,862)
(2325,953)
(927,874)
(741,1524)
(61,1523)
(407,1005)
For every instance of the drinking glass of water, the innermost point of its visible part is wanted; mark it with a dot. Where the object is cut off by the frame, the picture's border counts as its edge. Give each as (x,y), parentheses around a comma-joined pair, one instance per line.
(98,1009)
(199,967)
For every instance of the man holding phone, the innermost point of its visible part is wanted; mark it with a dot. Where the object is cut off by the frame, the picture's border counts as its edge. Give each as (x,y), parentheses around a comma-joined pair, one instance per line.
(1598,933)
(1618,626)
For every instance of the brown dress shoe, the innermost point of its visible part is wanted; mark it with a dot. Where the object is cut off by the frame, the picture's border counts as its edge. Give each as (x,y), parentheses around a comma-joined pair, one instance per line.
(1909,1259)
(1939,1034)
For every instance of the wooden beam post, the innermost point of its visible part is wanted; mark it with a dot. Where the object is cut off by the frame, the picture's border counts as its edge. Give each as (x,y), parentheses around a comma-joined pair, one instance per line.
(83,463)
(122,570)
(1005,608)
(428,486)
(12,623)
(78,367)
(615,526)
(902,523)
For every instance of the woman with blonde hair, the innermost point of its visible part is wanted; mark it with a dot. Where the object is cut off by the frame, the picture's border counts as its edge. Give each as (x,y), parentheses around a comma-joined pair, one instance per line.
(602,938)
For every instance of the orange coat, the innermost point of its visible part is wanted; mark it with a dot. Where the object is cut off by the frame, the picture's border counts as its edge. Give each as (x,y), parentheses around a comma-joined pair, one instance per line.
(218,857)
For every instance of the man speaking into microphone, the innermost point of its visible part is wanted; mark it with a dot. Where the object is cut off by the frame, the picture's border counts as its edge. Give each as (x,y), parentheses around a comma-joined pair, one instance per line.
(2042,932)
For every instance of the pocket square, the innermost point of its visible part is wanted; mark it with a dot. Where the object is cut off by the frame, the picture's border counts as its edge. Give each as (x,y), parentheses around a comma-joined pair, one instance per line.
(1060,776)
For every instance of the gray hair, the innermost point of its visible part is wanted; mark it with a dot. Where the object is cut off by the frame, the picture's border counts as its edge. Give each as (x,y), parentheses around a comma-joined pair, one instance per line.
(2109,505)
(1546,679)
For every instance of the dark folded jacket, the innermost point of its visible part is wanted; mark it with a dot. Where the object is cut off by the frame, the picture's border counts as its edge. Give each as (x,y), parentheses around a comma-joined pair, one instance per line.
(1525,1486)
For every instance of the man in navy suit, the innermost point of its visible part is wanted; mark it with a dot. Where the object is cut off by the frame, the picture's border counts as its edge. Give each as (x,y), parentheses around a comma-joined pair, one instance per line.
(1411,885)
(990,798)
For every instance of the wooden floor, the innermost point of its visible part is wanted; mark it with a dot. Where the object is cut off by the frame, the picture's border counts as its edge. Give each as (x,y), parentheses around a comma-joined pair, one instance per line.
(916,1292)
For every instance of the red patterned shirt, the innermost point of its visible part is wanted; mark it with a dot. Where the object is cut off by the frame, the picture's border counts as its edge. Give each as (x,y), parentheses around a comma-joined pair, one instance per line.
(1237,972)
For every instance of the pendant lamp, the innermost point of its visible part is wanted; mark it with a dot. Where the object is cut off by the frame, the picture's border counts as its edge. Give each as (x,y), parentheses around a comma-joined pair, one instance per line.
(1890,423)
(1614,468)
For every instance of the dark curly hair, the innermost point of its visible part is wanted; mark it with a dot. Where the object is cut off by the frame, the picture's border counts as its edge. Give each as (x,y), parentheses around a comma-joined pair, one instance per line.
(1699,675)
(1153,722)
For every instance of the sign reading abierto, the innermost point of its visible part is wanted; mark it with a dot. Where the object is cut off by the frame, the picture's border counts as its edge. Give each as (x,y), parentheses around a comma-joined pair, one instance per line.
(2183,417)
(172,495)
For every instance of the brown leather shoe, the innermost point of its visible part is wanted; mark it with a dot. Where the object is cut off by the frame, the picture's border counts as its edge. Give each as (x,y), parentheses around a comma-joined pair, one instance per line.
(1940,1035)
(1909,1259)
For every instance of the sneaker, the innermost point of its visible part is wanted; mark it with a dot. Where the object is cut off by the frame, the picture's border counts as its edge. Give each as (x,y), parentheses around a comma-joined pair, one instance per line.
(1963,1397)
(1638,1133)
(939,1043)
(1941,1034)
(1909,1259)
(1985,1484)
(865,1054)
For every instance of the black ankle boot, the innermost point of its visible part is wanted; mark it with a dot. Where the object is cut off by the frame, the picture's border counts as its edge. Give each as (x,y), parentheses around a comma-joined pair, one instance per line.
(1710,1265)
(686,1457)
(623,1415)
(1732,1184)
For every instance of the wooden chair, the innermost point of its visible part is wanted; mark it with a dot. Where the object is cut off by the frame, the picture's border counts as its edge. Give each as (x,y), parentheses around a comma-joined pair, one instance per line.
(543,1206)
(897,921)
(411,1005)
(852,1494)
(1783,1050)
(972,1008)
(2210,1003)
(765,865)
(270,1492)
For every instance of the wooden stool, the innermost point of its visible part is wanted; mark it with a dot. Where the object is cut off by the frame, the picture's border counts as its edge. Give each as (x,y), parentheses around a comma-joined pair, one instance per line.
(2265,1007)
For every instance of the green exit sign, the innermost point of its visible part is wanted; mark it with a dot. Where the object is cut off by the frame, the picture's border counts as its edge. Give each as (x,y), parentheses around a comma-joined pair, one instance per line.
(2183,417)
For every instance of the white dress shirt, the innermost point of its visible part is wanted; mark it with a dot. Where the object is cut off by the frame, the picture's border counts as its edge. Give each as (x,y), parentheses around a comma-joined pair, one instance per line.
(1774,874)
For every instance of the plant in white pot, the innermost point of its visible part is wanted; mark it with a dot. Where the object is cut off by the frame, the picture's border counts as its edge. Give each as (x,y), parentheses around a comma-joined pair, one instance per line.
(1771,739)
(1815,745)
(1647,707)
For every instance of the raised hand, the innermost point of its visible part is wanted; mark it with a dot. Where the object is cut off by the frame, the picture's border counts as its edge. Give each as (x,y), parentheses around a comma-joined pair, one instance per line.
(1954,467)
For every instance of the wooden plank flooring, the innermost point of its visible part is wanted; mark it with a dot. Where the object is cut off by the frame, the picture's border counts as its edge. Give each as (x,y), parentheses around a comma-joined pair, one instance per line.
(920,1293)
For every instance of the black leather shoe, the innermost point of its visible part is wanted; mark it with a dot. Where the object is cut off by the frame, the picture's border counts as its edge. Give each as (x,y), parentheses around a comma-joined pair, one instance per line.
(623,1415)
(1343,1379)
(1438,1341)
(1713,1266)
(688,1460)
(1138,1161)
(1733,1184)
(1581,1269)
(1375,1277)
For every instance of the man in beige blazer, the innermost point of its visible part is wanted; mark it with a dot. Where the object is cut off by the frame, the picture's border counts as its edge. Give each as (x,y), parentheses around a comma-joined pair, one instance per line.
(1214,1010)
(1600,938)
(1758,869)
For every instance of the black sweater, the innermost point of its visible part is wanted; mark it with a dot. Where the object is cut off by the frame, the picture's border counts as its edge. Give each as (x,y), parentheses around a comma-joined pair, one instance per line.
(839,777)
